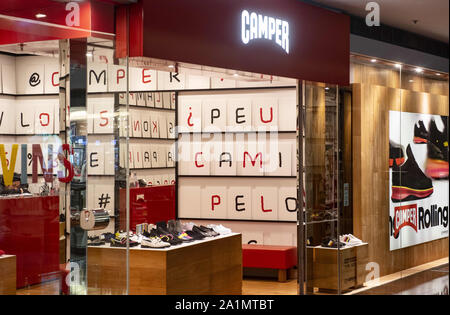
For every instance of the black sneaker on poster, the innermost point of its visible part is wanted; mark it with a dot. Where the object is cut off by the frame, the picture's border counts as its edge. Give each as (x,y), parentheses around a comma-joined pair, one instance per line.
(437,160)
(420,133)
(396,155)
(409,182)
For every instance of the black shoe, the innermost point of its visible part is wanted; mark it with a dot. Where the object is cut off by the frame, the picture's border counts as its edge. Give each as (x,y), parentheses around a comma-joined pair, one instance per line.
(95,241)
(209,231)
(437,160)
(202,232)
(331,242)
(409,182)
(396,156)
(420,133)
(195,235)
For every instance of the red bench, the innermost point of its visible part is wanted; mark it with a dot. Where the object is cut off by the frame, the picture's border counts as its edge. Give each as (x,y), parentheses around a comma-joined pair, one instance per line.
(270,256)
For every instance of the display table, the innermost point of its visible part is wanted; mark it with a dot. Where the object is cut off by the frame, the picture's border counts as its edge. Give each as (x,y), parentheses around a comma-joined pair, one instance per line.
(324,264)
(210,266)
(29,229)
(7,275)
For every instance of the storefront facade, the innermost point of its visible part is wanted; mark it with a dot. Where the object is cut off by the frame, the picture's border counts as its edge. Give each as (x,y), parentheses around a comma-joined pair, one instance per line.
(161,134)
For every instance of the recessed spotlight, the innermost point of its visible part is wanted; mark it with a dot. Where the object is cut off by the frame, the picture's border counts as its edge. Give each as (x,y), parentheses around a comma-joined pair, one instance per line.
(419,70)
(397,65)
(236,75)
(411,81)
(438,74)
(89,54)
(327,88)
(40,16)
(373,60)
(171,66)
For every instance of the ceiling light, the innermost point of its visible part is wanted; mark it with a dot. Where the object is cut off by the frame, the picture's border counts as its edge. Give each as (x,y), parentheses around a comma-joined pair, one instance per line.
(419,70)
(89,54)
(438,74)
(373,60)
(327,88)
(411,81)
(40,16)
(236,75)
(397,65)
(171,66)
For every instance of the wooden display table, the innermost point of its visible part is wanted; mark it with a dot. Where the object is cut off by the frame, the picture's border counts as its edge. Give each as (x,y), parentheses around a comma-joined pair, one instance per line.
(8,275)
(324,264)
(210,266)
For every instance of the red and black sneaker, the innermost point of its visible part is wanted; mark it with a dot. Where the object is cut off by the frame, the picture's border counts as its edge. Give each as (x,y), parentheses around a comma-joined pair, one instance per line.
(420,133)
(437,160)
(396,156)
(409,182)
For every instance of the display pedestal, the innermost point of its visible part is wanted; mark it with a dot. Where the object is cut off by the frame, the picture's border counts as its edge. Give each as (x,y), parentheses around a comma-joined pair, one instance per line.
(8,275)
(324,264)
(212,266)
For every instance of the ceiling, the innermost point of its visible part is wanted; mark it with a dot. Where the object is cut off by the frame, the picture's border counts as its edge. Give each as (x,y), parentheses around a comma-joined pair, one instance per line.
(432,15)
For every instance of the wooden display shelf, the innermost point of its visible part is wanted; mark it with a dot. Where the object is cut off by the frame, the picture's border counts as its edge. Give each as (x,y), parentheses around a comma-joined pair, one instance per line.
(324,264)
(212,266)
(8,275)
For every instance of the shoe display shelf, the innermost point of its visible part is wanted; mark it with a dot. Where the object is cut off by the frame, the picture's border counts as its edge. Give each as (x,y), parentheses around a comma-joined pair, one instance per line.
(7,275)
(323,267)
(209,266)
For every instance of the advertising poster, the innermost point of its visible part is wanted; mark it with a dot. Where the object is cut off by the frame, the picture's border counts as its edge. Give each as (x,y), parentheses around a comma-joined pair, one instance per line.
(418,178)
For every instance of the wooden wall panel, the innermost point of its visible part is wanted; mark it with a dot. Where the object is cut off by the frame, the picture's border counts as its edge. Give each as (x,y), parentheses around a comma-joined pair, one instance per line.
(370,117)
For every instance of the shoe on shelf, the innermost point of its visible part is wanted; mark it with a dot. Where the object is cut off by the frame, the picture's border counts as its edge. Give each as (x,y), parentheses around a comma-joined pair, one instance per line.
(200,231)
(437,157)
(211,232)
(409,182)
(331,242)
(219,229)
(396,155)
(161,229)
(95,241)
(154,242)
(420,133)
(195,235)
(350,239)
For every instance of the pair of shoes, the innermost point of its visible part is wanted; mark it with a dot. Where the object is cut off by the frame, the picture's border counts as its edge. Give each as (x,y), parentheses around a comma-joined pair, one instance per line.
(175,228)
(107,237)
(203,230)
(154,242)
(350,239)
(409,182)
(120,240)
(331,242)
(220,229)
(96,240)
(161,229)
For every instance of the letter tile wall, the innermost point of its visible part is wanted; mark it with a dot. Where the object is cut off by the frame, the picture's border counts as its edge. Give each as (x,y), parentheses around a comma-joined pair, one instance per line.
(228,172)
(235,151)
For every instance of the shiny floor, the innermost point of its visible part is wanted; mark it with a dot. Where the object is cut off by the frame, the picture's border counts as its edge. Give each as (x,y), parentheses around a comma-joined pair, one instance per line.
(434,281)
(431,281)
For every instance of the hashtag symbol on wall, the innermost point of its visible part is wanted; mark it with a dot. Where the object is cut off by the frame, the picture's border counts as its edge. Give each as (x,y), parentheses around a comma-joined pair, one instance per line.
(103,200)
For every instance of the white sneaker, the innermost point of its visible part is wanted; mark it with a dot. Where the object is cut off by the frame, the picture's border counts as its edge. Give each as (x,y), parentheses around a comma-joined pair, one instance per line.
(153,243)
(350,239)
(221,229)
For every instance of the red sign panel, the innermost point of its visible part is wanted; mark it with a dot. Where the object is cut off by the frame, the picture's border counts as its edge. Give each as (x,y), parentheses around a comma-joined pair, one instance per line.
(284,37)
(39,20)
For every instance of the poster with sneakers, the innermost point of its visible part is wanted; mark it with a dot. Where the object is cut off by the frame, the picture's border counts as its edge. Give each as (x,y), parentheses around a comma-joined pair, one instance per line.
(418,178)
